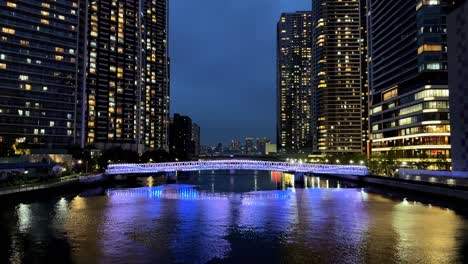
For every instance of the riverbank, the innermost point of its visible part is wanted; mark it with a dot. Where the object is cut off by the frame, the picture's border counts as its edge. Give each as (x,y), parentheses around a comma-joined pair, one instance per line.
(64,182)
(448,189)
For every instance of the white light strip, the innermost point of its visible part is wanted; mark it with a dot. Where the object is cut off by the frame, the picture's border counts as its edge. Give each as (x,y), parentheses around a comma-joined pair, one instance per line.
(116,169)
(413,136)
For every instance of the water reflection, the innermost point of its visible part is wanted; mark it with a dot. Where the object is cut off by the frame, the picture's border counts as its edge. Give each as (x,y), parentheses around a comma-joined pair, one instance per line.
(268,217)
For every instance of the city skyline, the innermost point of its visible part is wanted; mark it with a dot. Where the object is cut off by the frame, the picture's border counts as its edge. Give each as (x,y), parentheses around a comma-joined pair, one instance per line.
(226,107)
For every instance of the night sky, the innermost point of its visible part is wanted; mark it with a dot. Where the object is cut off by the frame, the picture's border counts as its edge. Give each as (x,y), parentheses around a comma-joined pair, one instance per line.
(223,65)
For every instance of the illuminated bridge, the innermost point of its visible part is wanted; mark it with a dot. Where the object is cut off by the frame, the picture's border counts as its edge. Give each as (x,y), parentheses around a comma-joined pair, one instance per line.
(122,169)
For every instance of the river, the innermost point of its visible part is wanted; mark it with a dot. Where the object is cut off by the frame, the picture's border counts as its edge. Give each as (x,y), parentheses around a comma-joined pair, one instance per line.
(231,217)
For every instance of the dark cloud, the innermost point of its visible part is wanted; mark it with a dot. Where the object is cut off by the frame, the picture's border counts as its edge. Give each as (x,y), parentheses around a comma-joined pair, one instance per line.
(223,55)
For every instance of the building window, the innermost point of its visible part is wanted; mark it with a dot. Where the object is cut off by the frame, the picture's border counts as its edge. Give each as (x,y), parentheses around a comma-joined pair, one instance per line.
(8,30)
(390,94)
(429,48)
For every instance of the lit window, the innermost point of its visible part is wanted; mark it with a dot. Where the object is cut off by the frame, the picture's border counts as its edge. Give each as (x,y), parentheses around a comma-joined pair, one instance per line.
(429,48)
(24,77)
(10,4)
(8,30)
(3,66)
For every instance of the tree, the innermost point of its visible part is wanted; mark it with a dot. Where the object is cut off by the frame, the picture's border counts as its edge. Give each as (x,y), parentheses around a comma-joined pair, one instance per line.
(423,162)
(442,163)
(158,155)
(6,147)
(116,155)
(384,164)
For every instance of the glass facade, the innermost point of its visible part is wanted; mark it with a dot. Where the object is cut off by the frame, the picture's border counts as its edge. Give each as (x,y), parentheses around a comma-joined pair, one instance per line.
(339,69)
(408,79)
(38,72)
(457,25)
(294,84)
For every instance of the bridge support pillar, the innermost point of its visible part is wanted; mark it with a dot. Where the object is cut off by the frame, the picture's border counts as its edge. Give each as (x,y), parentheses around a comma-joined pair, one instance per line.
(172,177)
(299,177)
(120,177)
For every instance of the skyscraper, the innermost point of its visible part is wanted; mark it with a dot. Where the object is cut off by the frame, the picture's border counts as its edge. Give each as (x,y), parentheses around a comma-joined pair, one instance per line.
(294,91)
(339,76)
(127,79)
(38,72)
(249,146)
(196,138)
(457,26)
(260,145)
(156,78)
(408,79)
(180,136)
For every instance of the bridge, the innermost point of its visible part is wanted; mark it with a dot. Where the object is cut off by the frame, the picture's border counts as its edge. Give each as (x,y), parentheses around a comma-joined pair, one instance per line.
(146,168)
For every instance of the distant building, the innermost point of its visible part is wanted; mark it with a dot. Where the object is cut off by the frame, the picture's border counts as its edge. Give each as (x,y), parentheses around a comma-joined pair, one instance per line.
(270,148)
(294,82)
(180,136)
(38,77)
(457,26)
(219,148)
(235,146)
(261,145)
(339,71)
(196,139)
(249,146)
(409,98)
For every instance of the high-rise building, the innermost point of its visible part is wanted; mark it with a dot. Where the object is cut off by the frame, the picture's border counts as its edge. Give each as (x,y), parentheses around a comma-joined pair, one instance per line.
(234,146)
(260,145)
(196,138)
(126,89)
(457,27)
(156,77)
(38,72)
(180,136)
(294,85)
(249,146)
(409,113)
(339,73)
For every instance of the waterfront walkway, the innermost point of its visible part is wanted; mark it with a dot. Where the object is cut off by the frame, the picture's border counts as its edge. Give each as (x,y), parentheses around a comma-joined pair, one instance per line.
(52,184)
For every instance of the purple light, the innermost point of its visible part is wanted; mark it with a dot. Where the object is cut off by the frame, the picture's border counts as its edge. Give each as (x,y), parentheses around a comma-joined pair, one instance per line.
(116,169)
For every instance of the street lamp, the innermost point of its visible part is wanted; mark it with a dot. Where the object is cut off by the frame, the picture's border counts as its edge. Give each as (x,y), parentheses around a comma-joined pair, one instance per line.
(351,162)
(337,161)
(362,162)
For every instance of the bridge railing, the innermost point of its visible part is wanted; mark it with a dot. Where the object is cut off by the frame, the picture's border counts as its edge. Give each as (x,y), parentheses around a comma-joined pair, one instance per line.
(236,165)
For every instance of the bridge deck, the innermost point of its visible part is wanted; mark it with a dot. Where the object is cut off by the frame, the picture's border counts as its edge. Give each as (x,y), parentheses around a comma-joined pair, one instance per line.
(120,169)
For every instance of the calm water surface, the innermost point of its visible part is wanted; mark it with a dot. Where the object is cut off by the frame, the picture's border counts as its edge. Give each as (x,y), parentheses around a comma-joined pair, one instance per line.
(231,217)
